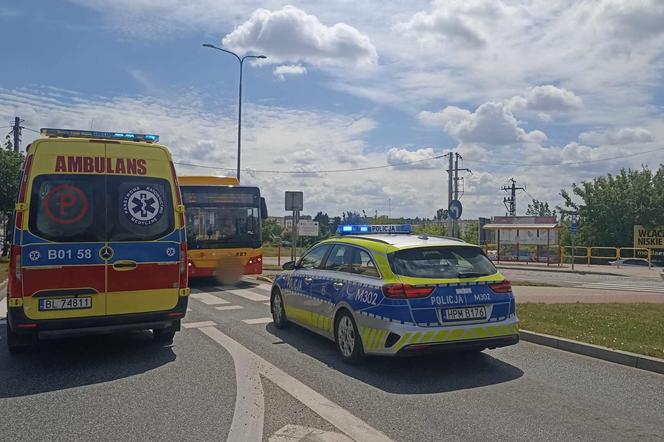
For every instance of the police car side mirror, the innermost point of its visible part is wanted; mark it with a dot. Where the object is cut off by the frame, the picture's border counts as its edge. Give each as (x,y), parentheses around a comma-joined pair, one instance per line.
(290,265)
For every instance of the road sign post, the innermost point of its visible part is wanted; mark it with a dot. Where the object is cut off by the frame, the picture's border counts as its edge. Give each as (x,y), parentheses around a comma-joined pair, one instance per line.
(454,212)
(294,203)
(573,233)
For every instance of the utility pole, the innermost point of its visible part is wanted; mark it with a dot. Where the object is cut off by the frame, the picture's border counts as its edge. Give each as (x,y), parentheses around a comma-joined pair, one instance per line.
(510,201)
(16,131)
(450,192)
(457,157)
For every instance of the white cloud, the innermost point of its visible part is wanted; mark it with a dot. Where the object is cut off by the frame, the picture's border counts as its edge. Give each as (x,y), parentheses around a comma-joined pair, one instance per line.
(291,35)
(289,69)
(547,98)
(419,159)
(627,135)
(492,123)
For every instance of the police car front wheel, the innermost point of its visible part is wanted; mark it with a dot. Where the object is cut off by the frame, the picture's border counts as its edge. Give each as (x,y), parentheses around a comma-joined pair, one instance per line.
(278,310)
(348,338)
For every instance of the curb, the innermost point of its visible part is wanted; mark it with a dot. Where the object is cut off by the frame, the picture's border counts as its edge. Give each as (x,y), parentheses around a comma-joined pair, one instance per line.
(264,279)
(595,351)
(545,269)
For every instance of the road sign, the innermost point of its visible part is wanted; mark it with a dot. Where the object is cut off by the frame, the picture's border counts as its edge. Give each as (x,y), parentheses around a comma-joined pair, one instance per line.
(455,209)
(307,228)
(294,200)
(573,224)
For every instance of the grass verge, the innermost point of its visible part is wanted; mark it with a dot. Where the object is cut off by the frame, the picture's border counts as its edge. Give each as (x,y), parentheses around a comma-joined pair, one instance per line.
(285,252)
(637,328)
(4,268)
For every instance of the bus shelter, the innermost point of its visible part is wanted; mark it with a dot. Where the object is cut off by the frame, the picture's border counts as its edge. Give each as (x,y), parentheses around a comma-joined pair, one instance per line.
(532,242)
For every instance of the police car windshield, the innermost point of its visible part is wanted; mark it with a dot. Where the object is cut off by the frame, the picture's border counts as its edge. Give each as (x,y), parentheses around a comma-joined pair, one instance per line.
(441,262)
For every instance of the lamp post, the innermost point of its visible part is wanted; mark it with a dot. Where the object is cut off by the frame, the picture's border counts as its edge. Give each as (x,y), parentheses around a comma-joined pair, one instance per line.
(239,106)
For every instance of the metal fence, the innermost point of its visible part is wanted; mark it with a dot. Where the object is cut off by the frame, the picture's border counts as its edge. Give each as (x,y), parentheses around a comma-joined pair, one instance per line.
(603,255)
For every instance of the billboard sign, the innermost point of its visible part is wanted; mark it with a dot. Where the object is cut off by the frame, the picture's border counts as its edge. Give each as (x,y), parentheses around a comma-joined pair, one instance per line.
(648,237)
(307,228)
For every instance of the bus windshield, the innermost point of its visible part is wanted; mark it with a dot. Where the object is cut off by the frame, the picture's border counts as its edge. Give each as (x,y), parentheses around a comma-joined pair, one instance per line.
(222,216)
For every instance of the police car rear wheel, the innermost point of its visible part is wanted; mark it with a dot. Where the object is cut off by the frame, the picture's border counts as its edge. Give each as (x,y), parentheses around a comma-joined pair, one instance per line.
(348,339)
(278,311)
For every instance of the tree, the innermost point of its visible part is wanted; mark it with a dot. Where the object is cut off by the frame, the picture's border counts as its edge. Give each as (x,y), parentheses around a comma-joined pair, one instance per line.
(609,206)
(539,208)
(470,232)
(351,217)
(271,230)
(11,164)
(323,224)
(435,229)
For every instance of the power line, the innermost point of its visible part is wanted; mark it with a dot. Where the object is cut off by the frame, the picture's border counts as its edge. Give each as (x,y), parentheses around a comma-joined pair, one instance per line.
(405,163)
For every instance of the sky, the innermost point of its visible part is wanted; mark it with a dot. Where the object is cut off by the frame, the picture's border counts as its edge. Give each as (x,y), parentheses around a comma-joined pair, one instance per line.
(547,92)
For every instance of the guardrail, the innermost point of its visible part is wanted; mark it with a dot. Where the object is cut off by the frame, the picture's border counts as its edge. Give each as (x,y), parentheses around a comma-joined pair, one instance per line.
(589,254)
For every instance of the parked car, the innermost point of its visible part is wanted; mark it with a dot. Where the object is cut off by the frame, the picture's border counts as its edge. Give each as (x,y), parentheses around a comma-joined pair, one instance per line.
(630,262)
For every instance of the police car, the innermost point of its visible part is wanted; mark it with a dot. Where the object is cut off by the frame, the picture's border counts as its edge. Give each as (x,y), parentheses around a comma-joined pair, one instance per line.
(381,290)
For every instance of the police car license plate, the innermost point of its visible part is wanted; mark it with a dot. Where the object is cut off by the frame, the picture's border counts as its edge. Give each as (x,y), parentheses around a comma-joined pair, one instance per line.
(464,314)
(65,303)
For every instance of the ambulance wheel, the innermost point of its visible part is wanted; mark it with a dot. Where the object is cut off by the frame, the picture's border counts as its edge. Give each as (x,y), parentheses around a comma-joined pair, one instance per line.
(278,310)
(164,335)
(349,342)
(17,343)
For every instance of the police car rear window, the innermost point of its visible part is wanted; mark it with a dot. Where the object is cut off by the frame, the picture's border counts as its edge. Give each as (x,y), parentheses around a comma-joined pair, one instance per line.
(441,262)
(91,208)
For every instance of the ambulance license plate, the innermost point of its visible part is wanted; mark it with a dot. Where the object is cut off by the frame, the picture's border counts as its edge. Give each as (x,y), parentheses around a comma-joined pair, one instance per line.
(464,313)
(65,303)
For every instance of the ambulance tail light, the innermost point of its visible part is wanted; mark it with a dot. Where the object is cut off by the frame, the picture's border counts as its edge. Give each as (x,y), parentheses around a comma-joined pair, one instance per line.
(184,271)
(502,287)
(406,291)
(15,273)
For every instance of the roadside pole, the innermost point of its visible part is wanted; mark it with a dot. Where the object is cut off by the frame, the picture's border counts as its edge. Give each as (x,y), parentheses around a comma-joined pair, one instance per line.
(573,233)
(294,203)
(450,197)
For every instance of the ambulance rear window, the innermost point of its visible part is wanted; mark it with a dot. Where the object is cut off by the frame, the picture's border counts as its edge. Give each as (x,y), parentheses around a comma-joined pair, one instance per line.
(98,208)
(68,208)
(441,262)
(140,208)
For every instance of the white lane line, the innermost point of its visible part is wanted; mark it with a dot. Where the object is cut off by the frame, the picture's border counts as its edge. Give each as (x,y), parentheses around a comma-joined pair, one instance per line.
(208,298)
(249,294)
(3,308)
(188,309)
(198,324)
(352,426)
(249,411)
(296,433)
(229,307)
(267,303)
(257,321)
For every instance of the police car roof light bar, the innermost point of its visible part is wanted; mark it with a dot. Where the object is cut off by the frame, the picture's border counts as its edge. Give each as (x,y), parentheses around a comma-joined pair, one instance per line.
(73,133)
(359,229)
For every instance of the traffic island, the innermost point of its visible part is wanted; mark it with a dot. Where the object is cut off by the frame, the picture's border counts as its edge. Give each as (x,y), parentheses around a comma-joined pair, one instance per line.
(628,334)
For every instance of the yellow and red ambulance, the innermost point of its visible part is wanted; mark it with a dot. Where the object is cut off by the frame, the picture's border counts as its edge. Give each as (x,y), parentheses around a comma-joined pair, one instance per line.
(99,243)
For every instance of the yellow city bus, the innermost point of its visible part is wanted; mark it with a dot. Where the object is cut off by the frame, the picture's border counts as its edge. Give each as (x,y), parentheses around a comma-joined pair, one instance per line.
(223,222)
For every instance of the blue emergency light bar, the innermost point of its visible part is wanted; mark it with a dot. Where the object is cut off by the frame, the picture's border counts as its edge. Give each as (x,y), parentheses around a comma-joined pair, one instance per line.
(72,133)
(358,229)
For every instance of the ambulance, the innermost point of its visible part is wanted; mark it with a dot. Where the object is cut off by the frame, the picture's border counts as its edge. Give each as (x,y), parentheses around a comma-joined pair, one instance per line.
(99,242)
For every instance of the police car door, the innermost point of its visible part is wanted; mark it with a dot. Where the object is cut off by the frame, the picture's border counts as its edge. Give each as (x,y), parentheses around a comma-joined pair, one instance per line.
(299,285)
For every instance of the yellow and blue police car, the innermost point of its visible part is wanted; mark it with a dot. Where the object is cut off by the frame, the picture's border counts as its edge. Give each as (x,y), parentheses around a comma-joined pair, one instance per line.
(382,290)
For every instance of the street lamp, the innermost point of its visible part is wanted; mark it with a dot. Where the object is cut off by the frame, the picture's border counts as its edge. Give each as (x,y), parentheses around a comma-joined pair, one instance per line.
(239,106)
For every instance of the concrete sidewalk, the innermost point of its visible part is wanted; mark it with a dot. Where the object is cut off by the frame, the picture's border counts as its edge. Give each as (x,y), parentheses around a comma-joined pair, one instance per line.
(562,295)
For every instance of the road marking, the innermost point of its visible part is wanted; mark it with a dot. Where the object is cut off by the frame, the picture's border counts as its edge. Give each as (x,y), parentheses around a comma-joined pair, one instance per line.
(229,307)
(249,294)
(257,321)
(295,433)
(268,304)
(623,287)
(188,309)
(248,423)
(198,324)
(209,299)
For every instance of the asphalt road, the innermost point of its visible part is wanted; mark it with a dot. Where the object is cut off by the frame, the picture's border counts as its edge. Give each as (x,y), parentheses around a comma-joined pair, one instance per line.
(292,385)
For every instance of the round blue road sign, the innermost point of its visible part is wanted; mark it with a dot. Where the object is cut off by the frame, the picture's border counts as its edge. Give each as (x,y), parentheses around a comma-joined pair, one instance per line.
(455,209)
